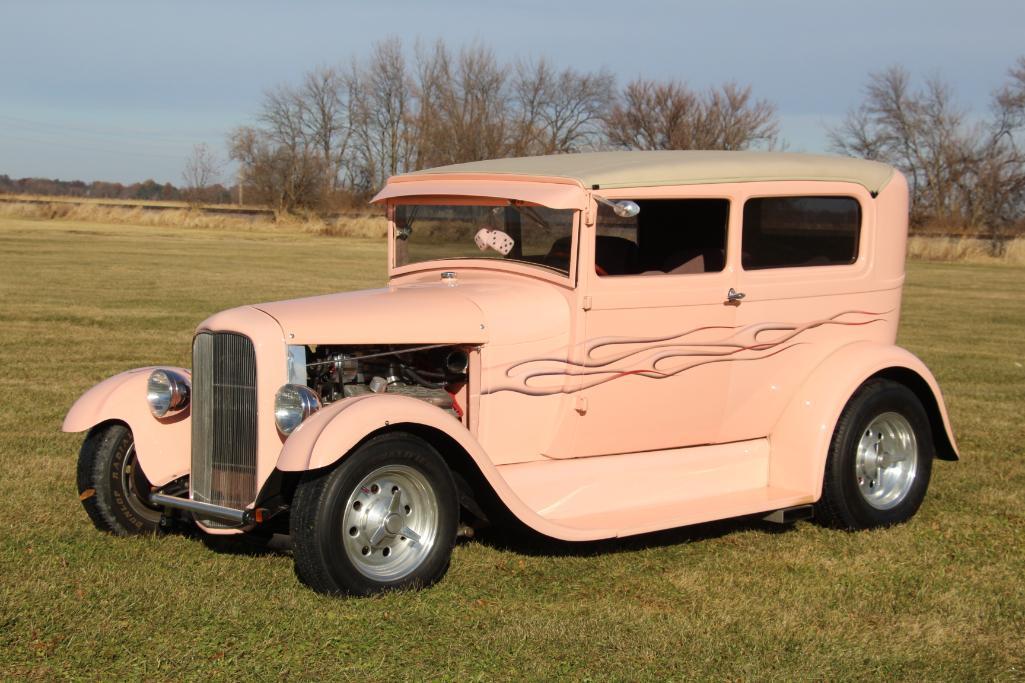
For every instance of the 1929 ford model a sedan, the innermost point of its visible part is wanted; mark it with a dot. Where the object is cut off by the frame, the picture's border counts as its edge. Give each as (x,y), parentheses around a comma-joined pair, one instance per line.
(601,344)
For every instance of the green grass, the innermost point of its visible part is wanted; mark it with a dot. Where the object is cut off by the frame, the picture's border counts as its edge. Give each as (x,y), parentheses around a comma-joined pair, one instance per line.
(942,597)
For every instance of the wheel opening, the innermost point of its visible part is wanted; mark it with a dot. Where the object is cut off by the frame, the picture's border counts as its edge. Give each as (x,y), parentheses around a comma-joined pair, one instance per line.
(913,381)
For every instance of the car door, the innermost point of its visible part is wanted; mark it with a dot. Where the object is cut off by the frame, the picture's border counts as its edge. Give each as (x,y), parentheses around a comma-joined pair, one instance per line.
(805,277)
(650,370)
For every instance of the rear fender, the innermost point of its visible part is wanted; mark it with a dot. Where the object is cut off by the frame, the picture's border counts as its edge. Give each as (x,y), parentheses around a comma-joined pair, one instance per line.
(800,440)
(332,432)
(162,445)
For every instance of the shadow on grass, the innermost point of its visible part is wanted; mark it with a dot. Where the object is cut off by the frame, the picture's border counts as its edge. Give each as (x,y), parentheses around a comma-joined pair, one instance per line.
(514,536)
(250,545)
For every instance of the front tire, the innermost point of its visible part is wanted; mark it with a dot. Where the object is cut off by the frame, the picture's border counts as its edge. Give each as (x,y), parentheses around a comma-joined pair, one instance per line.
(383,519)
(112,487)
(880,459)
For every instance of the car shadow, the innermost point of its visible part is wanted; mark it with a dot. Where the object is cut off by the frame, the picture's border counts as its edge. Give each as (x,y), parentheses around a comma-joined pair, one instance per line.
(518,538)
(248,545)
(514,536)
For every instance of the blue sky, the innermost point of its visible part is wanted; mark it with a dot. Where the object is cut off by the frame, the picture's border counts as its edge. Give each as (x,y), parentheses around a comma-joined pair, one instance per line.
(116,90)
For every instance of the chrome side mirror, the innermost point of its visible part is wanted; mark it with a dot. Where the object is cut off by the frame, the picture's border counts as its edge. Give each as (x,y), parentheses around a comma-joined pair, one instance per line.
(624,208)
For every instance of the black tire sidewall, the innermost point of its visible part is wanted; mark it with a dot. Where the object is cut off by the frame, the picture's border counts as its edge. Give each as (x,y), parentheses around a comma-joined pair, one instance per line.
(399,449)
(871,401)
(104,455)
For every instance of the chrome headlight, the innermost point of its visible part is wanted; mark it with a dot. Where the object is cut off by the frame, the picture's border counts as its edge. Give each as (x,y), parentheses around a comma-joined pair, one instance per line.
(292,404)
(167,392)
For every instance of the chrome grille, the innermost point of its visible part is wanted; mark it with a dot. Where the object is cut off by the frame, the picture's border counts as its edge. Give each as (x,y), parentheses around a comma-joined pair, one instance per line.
(223,419)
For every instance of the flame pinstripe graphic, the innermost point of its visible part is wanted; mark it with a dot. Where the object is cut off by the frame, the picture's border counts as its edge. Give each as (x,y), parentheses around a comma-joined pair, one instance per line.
(664,357)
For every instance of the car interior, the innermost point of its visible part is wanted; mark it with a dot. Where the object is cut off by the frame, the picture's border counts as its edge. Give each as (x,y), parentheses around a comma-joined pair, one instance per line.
(688,236)
(671,236)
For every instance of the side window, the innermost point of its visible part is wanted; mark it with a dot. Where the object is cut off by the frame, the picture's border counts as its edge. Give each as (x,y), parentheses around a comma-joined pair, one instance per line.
(791,232)
(668,236)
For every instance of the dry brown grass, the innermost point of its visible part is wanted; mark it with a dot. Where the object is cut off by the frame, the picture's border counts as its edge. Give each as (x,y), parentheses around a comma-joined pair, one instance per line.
(97,201)
(964,249)
(368,225)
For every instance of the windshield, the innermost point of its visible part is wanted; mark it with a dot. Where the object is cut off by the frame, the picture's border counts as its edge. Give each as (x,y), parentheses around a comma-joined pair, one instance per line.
(514,232)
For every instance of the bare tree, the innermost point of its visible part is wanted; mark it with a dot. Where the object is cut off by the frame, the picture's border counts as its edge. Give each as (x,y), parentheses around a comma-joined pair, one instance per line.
(998,191)
(1010,100)
(202,169)
(669,115)
(732,120)
(969,177)
(558,111)
(284,175)
(251,148)
(476,107)
(651,115)
(432,80)
(324,119)
(379,110)
(292,160)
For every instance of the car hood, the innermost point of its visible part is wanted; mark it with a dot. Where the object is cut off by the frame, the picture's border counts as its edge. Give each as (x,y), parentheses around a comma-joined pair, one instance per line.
(502,311)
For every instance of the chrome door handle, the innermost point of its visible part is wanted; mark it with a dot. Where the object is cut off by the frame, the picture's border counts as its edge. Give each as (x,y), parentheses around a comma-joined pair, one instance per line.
(734,295)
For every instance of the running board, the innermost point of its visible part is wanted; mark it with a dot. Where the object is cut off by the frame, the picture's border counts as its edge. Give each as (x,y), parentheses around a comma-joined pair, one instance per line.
(644,519)
(791,515)
(210,510)
(610,496)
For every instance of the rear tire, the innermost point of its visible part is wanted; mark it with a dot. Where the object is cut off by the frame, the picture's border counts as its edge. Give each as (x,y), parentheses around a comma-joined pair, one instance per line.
(112,487)
(385,518)
(880,459)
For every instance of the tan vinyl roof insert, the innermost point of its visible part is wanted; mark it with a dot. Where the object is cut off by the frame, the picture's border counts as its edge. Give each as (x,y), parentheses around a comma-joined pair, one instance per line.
(651,169)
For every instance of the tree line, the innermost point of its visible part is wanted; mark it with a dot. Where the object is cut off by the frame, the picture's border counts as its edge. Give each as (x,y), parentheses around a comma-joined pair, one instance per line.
(339,133)
(148,190)
(965,173)
(343,130)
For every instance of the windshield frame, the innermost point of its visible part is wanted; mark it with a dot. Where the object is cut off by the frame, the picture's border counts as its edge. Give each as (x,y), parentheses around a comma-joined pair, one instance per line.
(463,262)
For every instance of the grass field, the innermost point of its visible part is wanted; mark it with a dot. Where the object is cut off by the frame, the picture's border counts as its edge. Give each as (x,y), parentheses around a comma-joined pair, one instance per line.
(942,597)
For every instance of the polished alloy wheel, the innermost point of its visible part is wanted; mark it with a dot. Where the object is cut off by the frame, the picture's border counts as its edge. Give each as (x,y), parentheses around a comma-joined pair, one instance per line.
(887,461)
(390,523)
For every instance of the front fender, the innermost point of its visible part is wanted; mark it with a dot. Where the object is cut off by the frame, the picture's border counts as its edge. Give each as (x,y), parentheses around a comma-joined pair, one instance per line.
(800,440)
(332,432)
(162,446)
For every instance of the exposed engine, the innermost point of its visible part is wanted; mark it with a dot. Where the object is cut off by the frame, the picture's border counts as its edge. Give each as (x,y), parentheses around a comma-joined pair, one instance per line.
(436,374)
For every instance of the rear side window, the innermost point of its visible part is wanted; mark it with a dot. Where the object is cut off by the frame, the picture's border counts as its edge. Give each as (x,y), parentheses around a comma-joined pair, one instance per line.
(791,232)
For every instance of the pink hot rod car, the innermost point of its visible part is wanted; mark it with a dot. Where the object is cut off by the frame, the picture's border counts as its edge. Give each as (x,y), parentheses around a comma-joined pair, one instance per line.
(599,344)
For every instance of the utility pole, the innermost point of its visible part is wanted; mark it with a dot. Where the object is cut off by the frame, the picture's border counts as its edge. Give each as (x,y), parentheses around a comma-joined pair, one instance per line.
(241,182)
